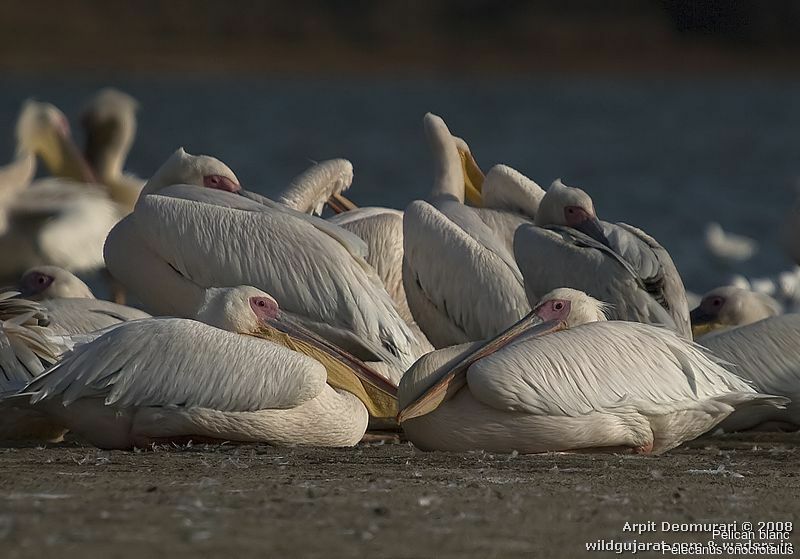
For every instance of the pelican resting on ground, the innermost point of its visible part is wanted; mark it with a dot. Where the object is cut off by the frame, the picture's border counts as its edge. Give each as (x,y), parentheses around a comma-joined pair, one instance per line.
(51,282)
(728,307)
(70,305)
(748,330)
(614,262)
(61,221)
(594,386)
(783,287)
(767,353)
(460,279)
(110,123)
(228,375)
(195,227)
(26,350)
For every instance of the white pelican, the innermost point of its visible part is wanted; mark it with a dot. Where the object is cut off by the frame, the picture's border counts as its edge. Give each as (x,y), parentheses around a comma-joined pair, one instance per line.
(728,248)
(168,379)
(110,123)
(728,306)
(43,130)
(784,287)
(70,305)
(461,281)
(54,221)
(26,350)
(51,282)
(195,227)
(599,385)
(766,353)
(616,263)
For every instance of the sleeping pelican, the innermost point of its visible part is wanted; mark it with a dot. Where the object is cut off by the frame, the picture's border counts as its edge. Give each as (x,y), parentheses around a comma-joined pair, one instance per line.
(599,385)
(728,307)
(51,282)
(616,263)
(110,123)
(26,350)
(766,353)
(69,303)
(460,279)
(171,379)
(195,227)
(54,221)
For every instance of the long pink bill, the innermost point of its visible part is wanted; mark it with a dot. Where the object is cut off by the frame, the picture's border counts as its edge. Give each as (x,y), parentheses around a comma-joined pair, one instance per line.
(529,327)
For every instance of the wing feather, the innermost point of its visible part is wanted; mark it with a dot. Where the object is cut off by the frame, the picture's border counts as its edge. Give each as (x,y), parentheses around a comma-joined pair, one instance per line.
(599,366)
(562,257)
(766,352)
(460,281)
(171,361)
(309,272)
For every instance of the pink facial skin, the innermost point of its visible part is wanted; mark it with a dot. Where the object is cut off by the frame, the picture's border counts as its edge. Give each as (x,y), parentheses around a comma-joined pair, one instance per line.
(34,283)
(556,309)
(265,308)
(575,215)
(218,182)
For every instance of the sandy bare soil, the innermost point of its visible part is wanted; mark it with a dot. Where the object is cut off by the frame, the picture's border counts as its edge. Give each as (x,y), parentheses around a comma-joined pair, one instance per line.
(387,500)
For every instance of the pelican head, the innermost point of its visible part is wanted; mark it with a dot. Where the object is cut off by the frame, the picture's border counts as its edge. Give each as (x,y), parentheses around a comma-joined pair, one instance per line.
(43,130)
(50,282)
(566,206)
(197,170)
(110,123)
(243,309)
(582,308)
(728,307)
(250,311)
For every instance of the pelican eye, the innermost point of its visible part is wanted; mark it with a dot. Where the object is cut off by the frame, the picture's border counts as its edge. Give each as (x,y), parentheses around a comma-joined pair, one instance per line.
(558,306)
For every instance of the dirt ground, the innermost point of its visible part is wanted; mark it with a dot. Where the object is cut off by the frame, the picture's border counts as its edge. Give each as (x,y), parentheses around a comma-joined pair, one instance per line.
(378,500)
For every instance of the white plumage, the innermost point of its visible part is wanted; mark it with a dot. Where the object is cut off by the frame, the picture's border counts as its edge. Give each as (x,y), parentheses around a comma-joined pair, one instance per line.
(460,279)
(183,238)
(26,350)
(599,385)
(767,353)
(60,221)
(169,378)
(616,263)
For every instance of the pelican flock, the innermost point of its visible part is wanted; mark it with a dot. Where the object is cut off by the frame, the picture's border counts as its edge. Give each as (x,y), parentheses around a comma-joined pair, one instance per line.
(489,314)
